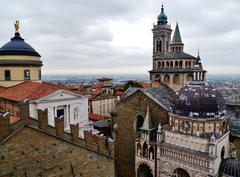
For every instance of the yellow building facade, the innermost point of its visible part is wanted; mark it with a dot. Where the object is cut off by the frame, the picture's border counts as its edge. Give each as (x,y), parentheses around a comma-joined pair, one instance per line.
(19,62)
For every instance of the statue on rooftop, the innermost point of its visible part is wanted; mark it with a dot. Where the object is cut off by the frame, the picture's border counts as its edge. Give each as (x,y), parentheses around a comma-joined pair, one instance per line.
(16,24)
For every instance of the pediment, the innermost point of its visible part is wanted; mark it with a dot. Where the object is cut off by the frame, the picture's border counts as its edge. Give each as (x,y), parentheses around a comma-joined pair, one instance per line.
(60,95)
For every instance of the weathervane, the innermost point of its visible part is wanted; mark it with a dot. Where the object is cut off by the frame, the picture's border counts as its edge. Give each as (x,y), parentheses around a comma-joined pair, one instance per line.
(16,24)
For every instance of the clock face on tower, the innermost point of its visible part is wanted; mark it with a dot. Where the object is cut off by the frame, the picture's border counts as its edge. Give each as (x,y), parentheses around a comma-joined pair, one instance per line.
(185,126)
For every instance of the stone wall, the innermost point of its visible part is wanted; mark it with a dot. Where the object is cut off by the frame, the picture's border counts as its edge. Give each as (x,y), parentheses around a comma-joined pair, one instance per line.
(33,148)
(34,153)
(127,112)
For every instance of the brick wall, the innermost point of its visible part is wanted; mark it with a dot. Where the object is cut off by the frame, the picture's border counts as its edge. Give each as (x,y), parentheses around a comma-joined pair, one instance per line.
(34,153)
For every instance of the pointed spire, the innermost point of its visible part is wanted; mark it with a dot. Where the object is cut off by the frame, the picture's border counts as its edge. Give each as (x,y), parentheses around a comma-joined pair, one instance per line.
(147,124)
(177,36)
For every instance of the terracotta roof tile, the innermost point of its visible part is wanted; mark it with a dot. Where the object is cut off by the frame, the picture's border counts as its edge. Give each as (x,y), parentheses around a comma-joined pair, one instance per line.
(30,91)
(95,117)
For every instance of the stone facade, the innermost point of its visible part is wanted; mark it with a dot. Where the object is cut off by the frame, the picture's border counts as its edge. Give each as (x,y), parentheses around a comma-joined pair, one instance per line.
(129,112)
(171,65)
(31,147)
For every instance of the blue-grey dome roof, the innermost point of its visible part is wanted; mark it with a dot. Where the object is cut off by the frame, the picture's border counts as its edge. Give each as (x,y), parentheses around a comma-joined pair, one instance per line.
(17,46)
(162,17)
(230,167)
(198,99)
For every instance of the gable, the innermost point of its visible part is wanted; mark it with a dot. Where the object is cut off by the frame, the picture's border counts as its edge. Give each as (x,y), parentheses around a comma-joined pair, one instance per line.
(139,93)
(60,95)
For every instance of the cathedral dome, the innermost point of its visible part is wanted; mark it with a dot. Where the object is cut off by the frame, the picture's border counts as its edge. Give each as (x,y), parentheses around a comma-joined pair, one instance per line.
(17,46)
(198,100)
(162,17)
(230,167)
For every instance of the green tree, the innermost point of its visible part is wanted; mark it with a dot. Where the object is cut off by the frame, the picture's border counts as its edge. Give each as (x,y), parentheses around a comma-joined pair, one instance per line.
(132,84)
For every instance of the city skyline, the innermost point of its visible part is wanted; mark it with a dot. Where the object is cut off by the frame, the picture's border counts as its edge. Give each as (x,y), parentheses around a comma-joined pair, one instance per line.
(116,37)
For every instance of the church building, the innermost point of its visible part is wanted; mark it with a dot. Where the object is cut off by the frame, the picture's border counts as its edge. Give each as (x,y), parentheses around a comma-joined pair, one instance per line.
(171,65)
(19,62)
(180,126)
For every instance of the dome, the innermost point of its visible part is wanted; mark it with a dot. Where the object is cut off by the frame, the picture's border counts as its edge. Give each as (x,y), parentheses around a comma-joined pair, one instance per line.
(198,99)
(162,17)
(230,167)
(17,46)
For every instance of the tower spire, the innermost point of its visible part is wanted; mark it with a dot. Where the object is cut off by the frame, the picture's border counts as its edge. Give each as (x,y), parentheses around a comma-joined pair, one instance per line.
(177,36)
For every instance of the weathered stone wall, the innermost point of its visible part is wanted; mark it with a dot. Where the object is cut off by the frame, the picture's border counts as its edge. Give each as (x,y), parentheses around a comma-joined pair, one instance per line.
(127,111)
(31,152)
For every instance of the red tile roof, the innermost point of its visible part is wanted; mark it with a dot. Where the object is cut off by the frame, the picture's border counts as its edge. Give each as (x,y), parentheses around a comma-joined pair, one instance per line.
(2,89)
(30,91)
(95,117)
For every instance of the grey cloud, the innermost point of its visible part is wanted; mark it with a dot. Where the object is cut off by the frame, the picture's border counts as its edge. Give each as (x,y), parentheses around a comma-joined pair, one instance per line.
(74,35)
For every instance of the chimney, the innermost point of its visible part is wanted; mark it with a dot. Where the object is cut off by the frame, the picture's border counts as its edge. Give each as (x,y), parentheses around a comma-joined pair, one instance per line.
(4,124)
(74,132)
(24,111)
(59,126)
(43,119)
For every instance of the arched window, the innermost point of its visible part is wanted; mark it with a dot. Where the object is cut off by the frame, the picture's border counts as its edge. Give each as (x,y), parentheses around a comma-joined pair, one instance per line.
(160,46)
(159,64)
(176,64)
(171,64)
(157,46)
(180,64)
(176,79)
(139,149)
(145,150)
(166,78)
(167,46)
(163,64)
(189,77)
(139,123)
(167,64)
(158,78)
(151,153)
(223,152)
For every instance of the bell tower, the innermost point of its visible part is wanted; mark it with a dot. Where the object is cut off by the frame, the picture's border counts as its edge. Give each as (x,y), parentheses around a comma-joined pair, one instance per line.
(161,34)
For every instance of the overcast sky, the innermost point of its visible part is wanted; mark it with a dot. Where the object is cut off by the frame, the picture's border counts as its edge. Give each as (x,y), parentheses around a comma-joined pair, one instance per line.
(114,36)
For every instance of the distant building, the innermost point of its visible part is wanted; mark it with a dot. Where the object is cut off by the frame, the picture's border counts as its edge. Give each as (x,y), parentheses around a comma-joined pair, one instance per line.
(171,65)
(106,84)
(102,103)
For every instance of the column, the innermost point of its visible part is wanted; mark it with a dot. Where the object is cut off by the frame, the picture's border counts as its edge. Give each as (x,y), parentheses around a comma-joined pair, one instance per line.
(55,111)
(67,116)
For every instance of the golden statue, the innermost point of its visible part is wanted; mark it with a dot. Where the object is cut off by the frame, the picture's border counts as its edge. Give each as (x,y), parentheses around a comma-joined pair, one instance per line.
(16,24)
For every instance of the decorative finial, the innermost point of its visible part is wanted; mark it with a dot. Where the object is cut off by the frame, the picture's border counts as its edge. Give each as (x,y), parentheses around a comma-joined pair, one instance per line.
(198,53)
(16,24)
